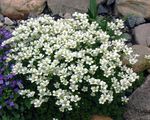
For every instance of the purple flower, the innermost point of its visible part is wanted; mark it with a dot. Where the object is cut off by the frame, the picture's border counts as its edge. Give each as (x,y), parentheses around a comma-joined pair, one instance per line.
(11,104)
(4,58)
(1,82)
(13,84)
(1,77)
(16,90)
(8,82)
(1,90)
(11,96)
(2,69)
(10,76)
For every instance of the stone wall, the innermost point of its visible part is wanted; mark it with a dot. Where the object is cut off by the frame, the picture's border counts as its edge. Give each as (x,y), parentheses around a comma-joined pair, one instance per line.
(20,9)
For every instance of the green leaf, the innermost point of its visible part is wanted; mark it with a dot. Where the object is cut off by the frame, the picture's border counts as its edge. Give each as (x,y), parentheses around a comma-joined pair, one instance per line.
(28,104)
(92,11)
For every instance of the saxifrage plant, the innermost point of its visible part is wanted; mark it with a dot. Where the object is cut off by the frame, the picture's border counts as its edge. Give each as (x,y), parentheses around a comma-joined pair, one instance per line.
(68,60)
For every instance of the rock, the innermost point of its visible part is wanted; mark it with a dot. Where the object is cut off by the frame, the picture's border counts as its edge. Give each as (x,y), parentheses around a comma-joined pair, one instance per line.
(20,9)
(132,21)
(142,34)
(129,44)
(143,63)
(133,7)
(64,6)
(8,21)
(96,117)
(67,15)
(148,70)
(138,107)
(102,10)
(1,24)
(140,20)
(10,28)
(1,18)
(127,36)
(110,2)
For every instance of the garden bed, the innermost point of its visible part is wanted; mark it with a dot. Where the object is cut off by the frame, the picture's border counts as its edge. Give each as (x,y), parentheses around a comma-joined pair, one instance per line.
(79,66)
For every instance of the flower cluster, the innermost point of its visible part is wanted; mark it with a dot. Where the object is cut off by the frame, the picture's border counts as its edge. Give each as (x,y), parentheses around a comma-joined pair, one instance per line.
(67,58)
(147,57)
(116,26)
(8,85)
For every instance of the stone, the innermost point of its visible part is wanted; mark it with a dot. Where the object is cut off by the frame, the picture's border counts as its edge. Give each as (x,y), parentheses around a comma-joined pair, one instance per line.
(133,7)
(110,2)
(1,24)
(129,44)
(8,21)
(148,70)
(67,6)
(131,21)
(67,15)
(142,34)
(1,18)
(102,10)
(138,107)
(127,36)
(97,117)
(143,63)
(10,28)
(20,9)
(140,20)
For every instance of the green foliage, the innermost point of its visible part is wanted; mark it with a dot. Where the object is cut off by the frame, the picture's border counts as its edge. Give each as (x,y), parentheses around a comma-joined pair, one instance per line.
(88,107)
(92,11)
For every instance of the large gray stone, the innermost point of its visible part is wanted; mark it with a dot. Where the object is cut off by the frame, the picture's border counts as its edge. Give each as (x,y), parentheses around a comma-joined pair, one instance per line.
(69,6)
(142,34)
(135,7)
(139,104)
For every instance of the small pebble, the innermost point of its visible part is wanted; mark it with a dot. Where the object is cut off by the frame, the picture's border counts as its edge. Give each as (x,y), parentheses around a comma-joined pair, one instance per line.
(127,36)
(67,15)
(10,28)
(1,24)
(1,18)
(148,70)
(129,44)
(8,21)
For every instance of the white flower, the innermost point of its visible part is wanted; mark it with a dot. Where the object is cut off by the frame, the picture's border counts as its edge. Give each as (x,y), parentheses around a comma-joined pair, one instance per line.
(55,119)
(124,99)
(147,57)
(69,57)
